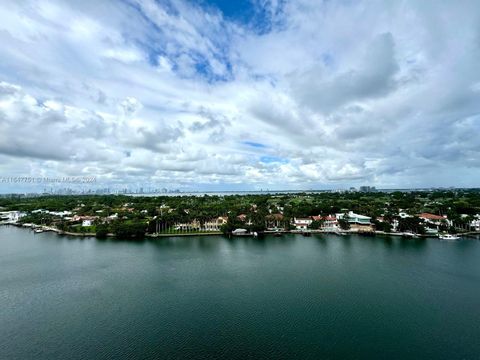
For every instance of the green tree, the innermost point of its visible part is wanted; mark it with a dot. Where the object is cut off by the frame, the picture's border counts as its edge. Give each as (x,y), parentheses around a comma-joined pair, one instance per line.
(102,231)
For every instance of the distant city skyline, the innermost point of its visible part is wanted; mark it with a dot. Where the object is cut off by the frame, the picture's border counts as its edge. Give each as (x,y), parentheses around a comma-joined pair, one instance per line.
(240,95)
(164,191)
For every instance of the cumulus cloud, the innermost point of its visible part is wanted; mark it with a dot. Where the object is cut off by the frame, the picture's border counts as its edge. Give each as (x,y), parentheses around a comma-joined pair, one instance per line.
(169,93)
(373,77)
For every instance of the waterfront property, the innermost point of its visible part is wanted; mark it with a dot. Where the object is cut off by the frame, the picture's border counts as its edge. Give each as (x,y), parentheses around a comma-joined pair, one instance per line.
(324,212)
(436,220)
(357,222)
(275,221)
(353,218)
(475,223)
(11,216)
(329,223)
(195,225)
(302,223)
(215,224)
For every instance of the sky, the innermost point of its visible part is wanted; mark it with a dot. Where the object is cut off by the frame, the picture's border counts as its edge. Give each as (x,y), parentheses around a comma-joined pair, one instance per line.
(240,95)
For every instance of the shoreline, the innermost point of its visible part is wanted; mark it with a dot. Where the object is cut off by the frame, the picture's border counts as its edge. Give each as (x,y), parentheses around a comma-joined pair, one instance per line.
(43,228)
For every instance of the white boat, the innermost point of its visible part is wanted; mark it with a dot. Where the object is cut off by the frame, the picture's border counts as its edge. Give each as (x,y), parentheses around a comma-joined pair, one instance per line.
(448,237)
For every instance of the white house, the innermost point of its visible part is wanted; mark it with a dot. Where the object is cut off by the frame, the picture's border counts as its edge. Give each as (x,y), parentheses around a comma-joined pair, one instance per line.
(302,223)
(435,220)
(329,222)
(87,222)
(360,223)
(475,223)
(353,218)
(215,224)
(60,213)
(12,216)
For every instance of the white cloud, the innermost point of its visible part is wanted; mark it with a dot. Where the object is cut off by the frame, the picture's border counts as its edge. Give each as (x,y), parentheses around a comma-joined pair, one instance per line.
(333,94)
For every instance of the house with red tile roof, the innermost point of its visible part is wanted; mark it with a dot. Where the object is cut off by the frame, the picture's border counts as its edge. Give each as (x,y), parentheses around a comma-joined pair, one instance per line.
(274,221)
(433,219)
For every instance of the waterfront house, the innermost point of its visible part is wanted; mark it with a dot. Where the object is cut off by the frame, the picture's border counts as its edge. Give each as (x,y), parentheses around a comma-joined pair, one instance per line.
(12,216)
(274,221)
(353,218)
(209,225)
(475,223)
(84,220)
(357,222)
(215,223)
(193,225)
(302,223)
(435,220)
(329,223)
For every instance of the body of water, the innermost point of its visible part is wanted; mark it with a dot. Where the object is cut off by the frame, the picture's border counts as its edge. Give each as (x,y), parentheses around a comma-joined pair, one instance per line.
(319,297)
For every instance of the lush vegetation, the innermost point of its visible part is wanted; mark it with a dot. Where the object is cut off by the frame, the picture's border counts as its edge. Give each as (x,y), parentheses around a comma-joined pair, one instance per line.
(134,216)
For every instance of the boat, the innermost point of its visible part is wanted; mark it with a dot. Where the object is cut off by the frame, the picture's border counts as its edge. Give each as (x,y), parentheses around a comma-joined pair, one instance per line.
(38,230)
(240,232)
(448,237)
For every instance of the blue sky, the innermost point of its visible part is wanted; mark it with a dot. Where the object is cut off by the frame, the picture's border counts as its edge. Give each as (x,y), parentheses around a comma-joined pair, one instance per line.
(299,94)
(240,10)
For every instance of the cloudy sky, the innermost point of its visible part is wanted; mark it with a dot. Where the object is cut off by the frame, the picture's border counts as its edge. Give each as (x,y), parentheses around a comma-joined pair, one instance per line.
(246,94)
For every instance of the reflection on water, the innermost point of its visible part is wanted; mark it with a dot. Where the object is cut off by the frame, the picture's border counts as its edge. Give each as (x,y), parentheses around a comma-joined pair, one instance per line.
(322,240)
(413,243)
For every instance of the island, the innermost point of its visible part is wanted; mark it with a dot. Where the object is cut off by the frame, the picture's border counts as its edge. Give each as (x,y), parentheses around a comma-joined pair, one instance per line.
(413,214)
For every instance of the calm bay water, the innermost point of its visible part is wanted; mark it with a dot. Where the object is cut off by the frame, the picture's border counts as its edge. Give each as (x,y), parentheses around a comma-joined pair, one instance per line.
(209,297)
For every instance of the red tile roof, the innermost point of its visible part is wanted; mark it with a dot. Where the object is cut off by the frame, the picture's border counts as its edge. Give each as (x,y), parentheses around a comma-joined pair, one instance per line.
(326,218)
(430,216)
(242,217)
(276,216)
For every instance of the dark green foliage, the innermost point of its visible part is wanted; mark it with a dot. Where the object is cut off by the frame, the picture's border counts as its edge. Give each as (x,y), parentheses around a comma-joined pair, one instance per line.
(344,224)
(102,231)
(411,224)
(138,213)
(316,225)
(129,230)
(382,226)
